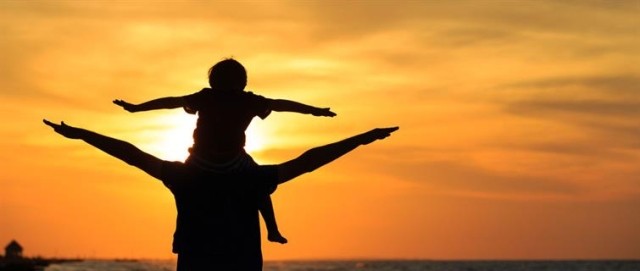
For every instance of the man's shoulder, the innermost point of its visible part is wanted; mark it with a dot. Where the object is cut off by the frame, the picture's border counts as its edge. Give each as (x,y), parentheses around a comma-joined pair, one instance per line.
(204,91)
(173,172)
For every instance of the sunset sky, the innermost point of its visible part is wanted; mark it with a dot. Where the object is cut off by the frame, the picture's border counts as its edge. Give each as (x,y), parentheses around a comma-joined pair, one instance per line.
(519,123)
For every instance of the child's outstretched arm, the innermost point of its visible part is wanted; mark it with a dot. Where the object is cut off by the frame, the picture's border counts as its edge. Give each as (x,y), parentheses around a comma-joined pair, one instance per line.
(160,103)
(320,156)
(122,150)
(291,106)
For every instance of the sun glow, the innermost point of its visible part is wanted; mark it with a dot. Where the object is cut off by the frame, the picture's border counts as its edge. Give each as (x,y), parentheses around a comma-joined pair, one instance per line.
(173,141)
(255,140)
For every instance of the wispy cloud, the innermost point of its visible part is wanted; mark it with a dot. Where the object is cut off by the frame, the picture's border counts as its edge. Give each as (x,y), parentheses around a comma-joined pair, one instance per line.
(618,86)
(605,107)
(519,101)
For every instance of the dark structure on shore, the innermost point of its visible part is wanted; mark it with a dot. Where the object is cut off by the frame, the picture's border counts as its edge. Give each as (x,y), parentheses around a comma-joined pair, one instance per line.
(13,251)
(14,259)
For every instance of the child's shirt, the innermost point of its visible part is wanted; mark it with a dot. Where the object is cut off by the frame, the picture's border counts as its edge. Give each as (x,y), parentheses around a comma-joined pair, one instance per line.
(223,117)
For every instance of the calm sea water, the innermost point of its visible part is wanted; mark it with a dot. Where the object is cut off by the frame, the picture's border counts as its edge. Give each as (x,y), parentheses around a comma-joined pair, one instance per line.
(371,266)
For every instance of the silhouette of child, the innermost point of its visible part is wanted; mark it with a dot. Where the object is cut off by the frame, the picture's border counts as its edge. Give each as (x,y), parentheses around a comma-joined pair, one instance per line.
(224,112)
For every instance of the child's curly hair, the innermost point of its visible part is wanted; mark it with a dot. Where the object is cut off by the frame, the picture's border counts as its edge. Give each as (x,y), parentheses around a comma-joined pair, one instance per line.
(228,74)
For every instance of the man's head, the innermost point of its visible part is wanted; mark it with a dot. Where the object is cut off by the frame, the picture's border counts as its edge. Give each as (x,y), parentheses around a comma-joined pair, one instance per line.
(228,74)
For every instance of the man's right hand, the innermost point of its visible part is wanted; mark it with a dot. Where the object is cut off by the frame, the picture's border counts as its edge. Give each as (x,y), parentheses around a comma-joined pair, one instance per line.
(127,106)
(323,112)
(377,134)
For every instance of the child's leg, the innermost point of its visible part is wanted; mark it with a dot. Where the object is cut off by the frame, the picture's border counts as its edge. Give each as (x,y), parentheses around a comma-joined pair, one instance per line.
(266,209)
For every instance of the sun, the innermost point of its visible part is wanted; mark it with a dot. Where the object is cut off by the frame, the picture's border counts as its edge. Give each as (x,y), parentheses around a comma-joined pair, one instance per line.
(255,140)
(172,143)
(175,137)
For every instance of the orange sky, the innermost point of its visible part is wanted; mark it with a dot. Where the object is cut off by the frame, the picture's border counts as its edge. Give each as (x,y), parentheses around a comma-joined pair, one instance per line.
(519,123)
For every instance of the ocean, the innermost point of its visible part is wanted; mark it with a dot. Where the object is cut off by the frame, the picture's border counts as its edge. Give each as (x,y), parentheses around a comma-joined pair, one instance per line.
(374,265)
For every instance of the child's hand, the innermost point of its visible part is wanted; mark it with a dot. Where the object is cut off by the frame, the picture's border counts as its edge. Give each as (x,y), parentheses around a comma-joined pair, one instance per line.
(377,134)
(65,130)
(127,106)
(323,112)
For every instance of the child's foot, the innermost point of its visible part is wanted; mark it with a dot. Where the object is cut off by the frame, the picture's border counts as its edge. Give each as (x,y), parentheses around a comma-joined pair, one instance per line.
(277,238)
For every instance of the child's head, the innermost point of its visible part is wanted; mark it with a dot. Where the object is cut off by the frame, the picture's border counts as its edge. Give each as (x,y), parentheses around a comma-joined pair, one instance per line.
(228,74)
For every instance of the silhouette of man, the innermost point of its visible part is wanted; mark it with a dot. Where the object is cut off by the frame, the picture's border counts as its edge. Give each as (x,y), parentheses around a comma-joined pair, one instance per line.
(217,226)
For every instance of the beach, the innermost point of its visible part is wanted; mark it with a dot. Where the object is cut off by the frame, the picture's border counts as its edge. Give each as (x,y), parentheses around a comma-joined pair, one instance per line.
(373,265)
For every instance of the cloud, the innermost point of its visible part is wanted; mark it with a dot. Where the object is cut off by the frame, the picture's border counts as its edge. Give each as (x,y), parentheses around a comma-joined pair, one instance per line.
(530,177)
(591,108)
(488,181)
(444,170)
(451,176)
(621,85)
(588,149)
(396,56)
(604,107)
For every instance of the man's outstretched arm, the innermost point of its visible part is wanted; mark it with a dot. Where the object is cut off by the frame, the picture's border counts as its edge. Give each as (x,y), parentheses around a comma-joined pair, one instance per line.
(122,150)
(320,156)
